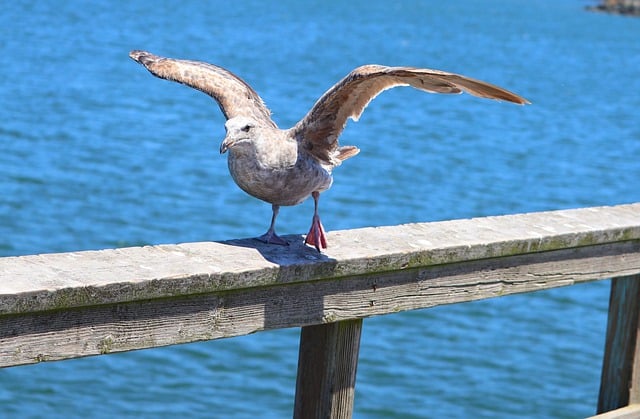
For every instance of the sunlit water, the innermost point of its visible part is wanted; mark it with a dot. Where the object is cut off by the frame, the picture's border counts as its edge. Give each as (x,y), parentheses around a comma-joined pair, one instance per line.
(96,153)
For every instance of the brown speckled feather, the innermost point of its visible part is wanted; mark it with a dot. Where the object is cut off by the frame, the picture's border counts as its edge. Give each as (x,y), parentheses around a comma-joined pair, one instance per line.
(285,167)
(235,97)
(320,128)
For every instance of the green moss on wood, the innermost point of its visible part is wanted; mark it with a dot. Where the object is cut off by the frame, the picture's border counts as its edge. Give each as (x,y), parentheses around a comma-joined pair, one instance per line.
(105,345)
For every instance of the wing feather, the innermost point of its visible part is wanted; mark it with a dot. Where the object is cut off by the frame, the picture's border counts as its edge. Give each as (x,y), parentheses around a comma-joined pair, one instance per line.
(234,96)
(319,130)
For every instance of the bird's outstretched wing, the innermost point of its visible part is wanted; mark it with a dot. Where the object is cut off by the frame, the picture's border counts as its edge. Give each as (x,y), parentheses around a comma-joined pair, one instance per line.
(234,95)
(320,128)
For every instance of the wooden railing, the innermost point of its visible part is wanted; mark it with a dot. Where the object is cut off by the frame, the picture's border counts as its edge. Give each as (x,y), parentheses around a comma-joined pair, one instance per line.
(69,305)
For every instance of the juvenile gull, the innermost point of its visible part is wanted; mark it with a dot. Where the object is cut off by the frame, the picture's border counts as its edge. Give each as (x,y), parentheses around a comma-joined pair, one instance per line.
(284,167)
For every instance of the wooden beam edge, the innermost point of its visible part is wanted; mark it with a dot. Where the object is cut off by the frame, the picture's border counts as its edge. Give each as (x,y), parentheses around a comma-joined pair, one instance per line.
(77,332)
(60,281)
(628,412)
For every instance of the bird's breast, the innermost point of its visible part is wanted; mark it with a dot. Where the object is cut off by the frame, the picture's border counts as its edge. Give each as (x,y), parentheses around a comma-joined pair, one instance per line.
(277,181)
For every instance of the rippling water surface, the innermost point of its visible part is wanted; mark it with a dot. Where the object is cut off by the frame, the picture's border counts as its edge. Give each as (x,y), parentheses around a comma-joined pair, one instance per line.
(99,154)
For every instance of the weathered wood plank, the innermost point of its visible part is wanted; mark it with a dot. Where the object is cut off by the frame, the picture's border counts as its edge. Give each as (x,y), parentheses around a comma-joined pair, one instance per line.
(91,330)
(60,281)
(620,369)
(628,412)
(78,304)
(327,365)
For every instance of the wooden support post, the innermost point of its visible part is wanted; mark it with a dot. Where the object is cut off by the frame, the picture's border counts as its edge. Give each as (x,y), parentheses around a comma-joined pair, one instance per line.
(327,366)
(620,381)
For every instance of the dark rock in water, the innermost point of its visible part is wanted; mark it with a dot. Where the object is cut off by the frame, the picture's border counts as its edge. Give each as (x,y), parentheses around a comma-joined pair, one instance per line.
(622,7)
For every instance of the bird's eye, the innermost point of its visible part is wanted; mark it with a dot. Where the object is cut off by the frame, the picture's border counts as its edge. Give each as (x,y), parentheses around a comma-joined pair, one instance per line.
(246,128)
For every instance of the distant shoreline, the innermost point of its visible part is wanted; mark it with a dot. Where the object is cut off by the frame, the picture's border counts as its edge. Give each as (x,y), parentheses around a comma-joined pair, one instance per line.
(621,7)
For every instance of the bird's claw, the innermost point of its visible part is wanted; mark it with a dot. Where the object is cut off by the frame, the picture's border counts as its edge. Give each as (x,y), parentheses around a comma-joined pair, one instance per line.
(270,237)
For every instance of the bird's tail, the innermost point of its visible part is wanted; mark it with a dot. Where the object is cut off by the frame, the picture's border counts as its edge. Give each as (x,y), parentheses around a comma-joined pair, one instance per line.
(346,152)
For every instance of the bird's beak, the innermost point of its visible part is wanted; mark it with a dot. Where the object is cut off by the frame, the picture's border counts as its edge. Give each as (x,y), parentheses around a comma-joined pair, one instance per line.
(225,145)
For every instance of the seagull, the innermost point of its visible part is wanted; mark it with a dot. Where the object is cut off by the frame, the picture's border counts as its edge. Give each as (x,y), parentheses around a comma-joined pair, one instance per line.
(285,166)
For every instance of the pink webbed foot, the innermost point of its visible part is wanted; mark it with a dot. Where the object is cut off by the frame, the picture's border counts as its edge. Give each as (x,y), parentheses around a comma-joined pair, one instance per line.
(316,236)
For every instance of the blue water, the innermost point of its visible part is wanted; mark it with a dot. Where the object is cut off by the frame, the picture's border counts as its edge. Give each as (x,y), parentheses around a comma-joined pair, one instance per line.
(96,153)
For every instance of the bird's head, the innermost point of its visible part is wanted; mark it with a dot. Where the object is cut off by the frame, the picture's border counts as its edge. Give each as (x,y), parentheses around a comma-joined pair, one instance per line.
(240,133)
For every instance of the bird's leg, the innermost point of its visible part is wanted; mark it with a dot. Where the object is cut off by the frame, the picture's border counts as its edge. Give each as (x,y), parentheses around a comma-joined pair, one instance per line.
(270,236)
(316,236)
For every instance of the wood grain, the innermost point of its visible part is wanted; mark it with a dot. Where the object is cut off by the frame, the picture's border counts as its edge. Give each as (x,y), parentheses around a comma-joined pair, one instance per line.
(92,330)
(628,412)
(60,281)
(620,370)
(327,364)
(88,303)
